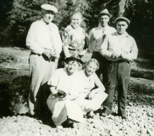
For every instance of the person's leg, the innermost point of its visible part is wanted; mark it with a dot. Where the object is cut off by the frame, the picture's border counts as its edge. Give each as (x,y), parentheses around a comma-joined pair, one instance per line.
(97,100)
(92,104)
(110,88)
(123,78)
(59,115)
(40,71)
(98,57)
(36,79)
(47,70)
(104,70)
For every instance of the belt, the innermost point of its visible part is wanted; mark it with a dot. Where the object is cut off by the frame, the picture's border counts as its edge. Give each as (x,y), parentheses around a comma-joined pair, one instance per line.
(72,49)
(33,53)
(120,61)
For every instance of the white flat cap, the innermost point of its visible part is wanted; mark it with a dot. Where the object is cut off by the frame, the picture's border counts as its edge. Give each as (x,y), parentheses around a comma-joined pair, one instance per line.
(49,7)
(121,18)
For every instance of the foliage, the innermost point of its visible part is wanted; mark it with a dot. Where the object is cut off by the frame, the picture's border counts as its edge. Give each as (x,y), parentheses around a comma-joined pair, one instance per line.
(17,15)
(141,14)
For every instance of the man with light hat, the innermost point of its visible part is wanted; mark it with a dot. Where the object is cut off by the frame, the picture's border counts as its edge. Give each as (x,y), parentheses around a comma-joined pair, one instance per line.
(96,38)
(120,50)
(44,41)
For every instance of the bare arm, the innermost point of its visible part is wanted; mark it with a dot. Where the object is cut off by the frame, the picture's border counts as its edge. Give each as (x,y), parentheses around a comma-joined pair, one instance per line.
(99,85)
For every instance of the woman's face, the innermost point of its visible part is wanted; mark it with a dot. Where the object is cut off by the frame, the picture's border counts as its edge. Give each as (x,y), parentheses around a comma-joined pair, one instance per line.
(76,20)
(72,67)
(90,68)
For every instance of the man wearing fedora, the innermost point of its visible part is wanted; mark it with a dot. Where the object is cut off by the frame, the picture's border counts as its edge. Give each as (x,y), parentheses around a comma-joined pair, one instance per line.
(96,38)
(44,41)
(120,50)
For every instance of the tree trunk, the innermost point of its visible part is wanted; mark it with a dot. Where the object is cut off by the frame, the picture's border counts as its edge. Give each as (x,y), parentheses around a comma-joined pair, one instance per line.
(122,4)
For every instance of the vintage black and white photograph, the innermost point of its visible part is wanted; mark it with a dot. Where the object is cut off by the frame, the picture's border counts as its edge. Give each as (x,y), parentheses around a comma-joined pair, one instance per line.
(76,68)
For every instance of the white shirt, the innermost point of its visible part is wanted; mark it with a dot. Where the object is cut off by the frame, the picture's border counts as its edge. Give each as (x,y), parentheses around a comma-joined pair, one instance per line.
(43,36)
(70,84)
(121,45)
(88,83)
(96,37)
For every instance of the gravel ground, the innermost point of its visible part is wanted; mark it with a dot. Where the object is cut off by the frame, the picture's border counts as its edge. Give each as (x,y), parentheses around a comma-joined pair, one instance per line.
(140,122)
(140,119)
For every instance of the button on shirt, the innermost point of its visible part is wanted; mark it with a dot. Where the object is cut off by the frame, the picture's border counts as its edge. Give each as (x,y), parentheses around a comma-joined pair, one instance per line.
(122,45)
(43,36)
(97,35)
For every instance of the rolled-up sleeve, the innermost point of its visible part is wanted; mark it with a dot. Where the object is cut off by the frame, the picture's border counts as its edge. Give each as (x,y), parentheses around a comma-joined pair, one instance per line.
(104,48)
(57,40)
(53,81)
(133,52)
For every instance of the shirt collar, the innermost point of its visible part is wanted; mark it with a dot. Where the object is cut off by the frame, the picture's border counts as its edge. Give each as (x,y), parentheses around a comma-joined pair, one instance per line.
(123,35)
(100,27)
(44,22)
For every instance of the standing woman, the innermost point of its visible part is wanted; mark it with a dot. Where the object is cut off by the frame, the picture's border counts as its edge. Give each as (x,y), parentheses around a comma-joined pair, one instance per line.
(74,37)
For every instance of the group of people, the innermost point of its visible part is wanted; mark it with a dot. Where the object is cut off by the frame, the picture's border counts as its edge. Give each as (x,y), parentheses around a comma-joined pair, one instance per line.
(71,68)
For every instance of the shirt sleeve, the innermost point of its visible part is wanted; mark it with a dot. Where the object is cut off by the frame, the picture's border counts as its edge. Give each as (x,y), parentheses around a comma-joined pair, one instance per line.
(91,40)
(31,40)
(58,41)
(104,48)
(53,81)
(133,53)
(66,37)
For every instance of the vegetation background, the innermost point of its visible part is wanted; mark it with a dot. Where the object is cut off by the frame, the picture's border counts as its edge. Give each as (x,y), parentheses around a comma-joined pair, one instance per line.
(17,15)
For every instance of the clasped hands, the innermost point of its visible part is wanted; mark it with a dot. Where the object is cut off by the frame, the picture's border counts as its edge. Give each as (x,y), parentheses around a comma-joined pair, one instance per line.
(115,56)
(50,55)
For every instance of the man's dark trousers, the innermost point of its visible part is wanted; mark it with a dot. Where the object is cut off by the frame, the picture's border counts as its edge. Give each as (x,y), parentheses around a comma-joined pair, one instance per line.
(118,75)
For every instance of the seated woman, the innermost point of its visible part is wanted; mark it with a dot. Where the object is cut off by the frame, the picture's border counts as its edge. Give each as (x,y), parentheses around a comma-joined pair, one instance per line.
(93,95)
(65,87)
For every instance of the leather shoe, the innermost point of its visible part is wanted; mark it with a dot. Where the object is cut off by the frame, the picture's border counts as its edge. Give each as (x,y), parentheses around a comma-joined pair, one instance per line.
(104,114)
(124,117)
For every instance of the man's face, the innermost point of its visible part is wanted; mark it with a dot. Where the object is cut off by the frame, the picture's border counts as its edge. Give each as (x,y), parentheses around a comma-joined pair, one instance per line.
(121,26)
(76,20)
(72,67)
(104,19)
(48,16)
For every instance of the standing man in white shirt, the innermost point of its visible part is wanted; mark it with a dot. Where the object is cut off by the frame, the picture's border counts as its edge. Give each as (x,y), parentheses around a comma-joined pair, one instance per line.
(44,41)
(119,49)
(96,38)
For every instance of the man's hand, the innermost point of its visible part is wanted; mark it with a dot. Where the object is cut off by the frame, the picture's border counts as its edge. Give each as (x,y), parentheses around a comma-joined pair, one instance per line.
(47,54)
(125,56)
(114,56)
(92,94)
(50,55)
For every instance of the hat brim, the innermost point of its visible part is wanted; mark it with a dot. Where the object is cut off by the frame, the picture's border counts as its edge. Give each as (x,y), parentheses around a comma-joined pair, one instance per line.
(122,19)
(73,59)
(102,14)
(48,7)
